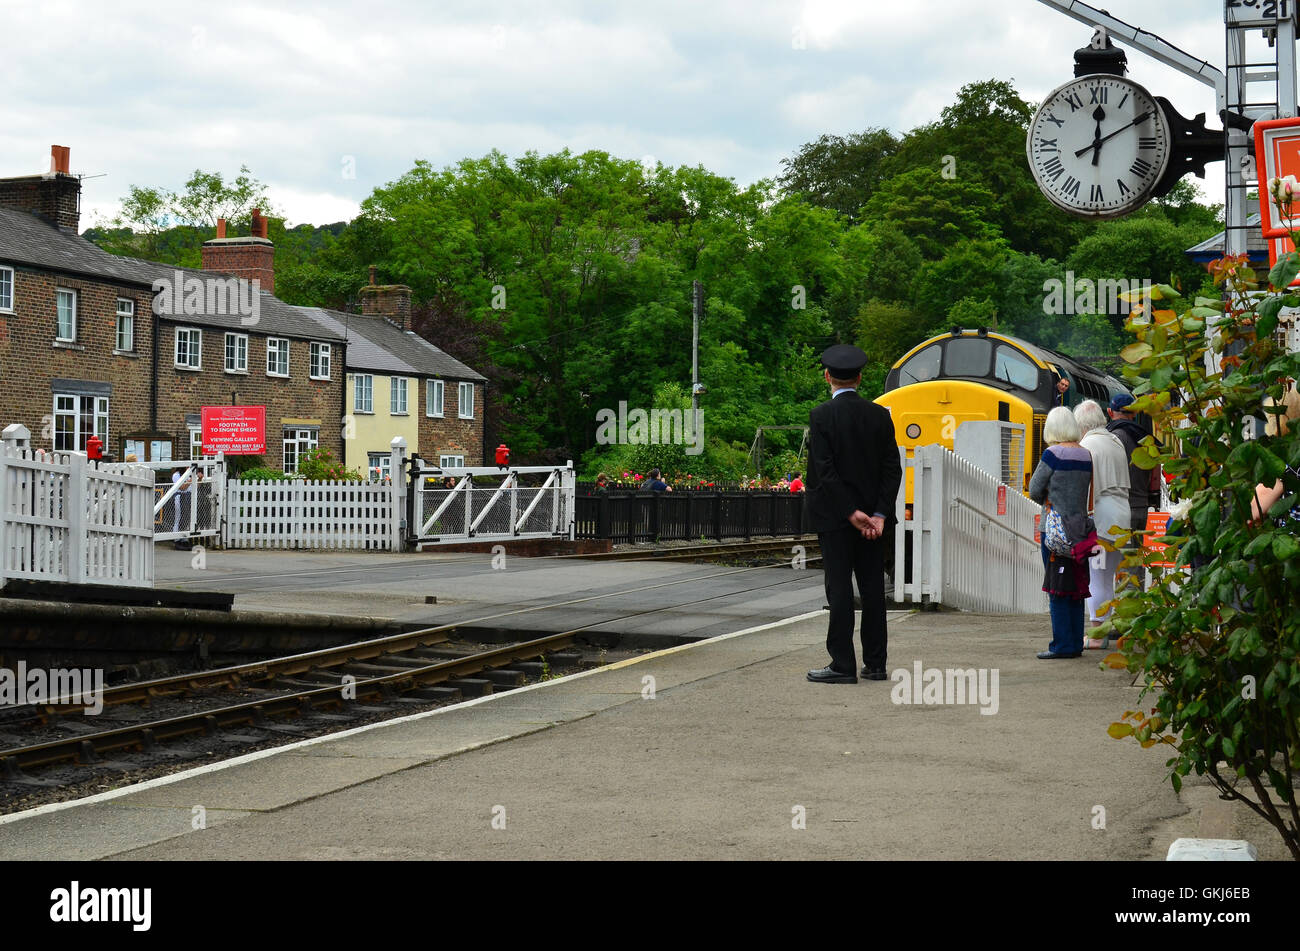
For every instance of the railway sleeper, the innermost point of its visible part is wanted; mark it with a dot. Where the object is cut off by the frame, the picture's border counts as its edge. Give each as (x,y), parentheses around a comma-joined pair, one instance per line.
(472,686)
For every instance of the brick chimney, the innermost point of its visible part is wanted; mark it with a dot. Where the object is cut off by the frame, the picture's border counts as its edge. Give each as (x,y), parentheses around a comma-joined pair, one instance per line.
(391,301)
(54,196)
(251,258)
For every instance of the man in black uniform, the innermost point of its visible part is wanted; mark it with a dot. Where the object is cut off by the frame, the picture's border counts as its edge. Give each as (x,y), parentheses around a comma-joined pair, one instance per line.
(853,478)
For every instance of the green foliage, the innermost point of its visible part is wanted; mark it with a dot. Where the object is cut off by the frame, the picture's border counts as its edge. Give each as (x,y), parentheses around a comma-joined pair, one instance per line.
(319,465)
(1217,641)
(262,474)
(840,173)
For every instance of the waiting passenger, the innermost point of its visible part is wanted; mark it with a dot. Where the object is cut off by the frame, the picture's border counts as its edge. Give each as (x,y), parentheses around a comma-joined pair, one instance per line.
(1110,502)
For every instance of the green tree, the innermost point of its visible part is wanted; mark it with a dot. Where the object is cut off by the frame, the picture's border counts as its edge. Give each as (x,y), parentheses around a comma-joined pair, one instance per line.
(840,173)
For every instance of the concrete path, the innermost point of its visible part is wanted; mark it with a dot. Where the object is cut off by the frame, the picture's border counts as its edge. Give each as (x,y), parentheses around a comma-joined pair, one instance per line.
(735,748)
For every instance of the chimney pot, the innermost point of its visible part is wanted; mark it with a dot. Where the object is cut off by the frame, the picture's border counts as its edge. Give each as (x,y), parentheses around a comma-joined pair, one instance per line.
(372,275)
(221,227)
(59,159)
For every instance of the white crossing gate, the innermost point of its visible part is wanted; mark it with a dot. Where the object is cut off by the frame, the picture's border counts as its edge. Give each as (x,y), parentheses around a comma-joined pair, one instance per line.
(190,506)
(970,540)
(64,518)
(303,514)
(458,504)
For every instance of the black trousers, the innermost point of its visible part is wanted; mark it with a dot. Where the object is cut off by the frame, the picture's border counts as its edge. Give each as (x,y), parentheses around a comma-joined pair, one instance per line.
(845,555)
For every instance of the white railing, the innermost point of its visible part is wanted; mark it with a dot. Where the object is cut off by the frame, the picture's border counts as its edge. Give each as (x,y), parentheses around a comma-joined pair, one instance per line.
(957,549)
(191,506)
(338,515)
(485,504)
(63,518)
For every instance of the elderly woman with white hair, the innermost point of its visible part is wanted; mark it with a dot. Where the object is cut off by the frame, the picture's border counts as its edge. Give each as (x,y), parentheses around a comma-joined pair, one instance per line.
(1063,479)
(1110,485)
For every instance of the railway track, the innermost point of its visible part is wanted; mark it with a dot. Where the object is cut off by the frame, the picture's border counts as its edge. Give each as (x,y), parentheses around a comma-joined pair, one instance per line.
(412,665)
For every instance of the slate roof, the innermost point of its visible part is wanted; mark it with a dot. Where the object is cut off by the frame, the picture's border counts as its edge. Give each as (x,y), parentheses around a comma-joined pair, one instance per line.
(27,239)
(376,344)
(1211,249)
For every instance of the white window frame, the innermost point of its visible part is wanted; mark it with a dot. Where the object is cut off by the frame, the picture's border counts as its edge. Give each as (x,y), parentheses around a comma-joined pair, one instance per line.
(396,385)
(319,368)
(433,398)
(7,307)
(193,348)
(461,401)
(282,343)
(76,407)
(383,461)
(58,294)
(303,439)
(369,405)
(125,343)
(451,462)
(241,359)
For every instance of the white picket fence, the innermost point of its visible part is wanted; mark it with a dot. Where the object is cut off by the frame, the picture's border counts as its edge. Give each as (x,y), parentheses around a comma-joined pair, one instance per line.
(63,518)
(321,515)
(963,553)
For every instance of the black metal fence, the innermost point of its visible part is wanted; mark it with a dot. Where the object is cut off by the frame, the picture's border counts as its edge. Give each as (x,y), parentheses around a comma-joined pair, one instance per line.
(688,516)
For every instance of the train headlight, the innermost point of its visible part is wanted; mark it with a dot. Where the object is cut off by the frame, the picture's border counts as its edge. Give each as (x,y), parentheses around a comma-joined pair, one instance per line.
(913,431)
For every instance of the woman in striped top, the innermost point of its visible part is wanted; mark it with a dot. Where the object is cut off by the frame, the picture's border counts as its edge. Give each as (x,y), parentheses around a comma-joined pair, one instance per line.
(1063,478)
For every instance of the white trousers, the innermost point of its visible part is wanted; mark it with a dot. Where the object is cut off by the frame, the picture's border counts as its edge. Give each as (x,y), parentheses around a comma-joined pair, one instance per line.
(1101,581)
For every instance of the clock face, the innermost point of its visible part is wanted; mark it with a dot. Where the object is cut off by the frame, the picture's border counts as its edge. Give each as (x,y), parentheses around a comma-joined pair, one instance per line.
(1098,145)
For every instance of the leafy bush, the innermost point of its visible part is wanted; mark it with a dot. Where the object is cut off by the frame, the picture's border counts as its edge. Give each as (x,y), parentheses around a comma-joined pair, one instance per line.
(263,474)
(319,465)
(1217,639)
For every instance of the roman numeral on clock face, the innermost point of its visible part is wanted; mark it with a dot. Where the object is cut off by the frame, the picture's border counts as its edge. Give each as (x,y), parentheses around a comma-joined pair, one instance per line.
(1071,186)
(1053,168)
(1124,190)
(1098,95)
(1048,145)
(1147,143)
(1074,102)
(1095,194)
(1140,167)
(1051,118)
(1122,101)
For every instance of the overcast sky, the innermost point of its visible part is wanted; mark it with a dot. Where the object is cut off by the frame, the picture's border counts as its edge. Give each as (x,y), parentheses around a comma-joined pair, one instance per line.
(324,101)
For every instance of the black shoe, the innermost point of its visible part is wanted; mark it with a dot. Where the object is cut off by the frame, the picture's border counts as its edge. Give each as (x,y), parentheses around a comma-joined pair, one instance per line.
(829,675)
(877,674)
(1048,655)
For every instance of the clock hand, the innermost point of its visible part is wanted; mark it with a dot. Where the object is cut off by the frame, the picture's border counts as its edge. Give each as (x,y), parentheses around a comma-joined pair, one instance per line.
(1099,114)
(1097,145)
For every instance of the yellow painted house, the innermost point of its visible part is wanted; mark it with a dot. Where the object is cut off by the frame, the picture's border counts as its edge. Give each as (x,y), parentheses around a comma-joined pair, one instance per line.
(399,384)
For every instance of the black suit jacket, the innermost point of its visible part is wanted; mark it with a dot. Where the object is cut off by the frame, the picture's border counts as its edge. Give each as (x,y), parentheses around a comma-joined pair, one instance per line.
(852,462)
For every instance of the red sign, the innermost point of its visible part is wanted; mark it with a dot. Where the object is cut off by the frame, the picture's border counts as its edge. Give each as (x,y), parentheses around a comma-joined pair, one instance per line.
(234,430)
(1038,536)
(1002,500)
(1277,154)
(1157,525)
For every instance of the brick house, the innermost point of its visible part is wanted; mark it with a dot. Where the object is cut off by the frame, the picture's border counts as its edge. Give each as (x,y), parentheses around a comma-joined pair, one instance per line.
(76,336)
(130,350)
(398,383)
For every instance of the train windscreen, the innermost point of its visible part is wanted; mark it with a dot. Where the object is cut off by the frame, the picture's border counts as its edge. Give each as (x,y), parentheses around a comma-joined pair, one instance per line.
(924,366)
(1015,368)
(968,356)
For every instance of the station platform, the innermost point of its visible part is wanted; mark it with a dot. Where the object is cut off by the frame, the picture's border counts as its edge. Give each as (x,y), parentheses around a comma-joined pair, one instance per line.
(732,751)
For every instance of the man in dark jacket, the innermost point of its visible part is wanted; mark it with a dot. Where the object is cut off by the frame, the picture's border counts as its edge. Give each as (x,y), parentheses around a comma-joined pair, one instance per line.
(853,478)
(1124,424)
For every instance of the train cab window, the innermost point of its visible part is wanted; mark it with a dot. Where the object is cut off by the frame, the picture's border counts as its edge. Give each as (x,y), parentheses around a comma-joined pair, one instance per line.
(1015,368)
(924,366)
(968,356)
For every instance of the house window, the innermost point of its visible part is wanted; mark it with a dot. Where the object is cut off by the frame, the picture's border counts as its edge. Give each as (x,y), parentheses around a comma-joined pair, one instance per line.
(451,462)
(466,408)
(297,443)
(277,358)
(236,353)
(433,398)
(189,348)
(320,361)
(7,289)
(67,319)
(77,418)
(363,386)
(380,466)
(397,396)
(196,442)
(125,325)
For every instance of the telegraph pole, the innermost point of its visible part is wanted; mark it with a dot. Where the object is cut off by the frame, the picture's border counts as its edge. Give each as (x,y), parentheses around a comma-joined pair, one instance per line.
(697,305)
